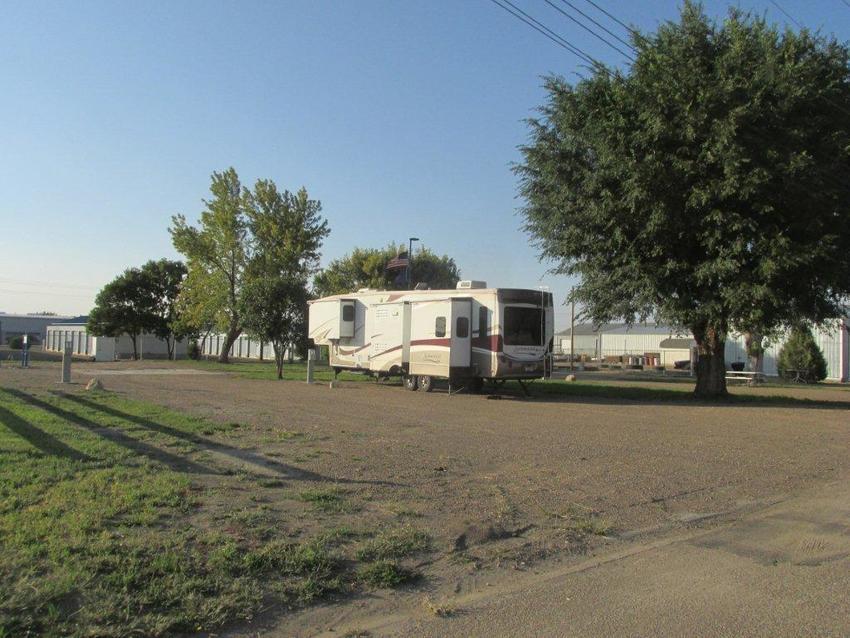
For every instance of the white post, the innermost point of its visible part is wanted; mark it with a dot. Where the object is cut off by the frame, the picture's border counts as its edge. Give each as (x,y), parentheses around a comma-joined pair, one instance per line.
(66,362)
(311,361)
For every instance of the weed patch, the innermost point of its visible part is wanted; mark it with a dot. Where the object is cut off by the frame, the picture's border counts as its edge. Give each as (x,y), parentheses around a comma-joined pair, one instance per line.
(395,543)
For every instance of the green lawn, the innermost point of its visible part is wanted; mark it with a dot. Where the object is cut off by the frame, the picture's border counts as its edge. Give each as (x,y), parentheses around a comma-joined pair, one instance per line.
(296,371)
(107,529)
(640,389)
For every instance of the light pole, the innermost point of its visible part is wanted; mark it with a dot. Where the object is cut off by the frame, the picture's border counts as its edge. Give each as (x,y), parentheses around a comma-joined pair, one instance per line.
(545,343)
(410,258)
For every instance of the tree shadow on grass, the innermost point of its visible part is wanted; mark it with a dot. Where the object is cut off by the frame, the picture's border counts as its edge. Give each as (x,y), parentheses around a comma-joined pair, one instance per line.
(116,436)
(608,394)
(38,438)
(241,455)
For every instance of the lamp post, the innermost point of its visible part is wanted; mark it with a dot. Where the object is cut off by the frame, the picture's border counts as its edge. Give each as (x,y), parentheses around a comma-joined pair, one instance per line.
(410,258)
(543,290)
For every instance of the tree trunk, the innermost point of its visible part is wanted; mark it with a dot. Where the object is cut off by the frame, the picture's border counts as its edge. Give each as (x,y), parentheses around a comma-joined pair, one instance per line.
(135,349)
(755,351)
(278,358)
(711,364)
(229,339)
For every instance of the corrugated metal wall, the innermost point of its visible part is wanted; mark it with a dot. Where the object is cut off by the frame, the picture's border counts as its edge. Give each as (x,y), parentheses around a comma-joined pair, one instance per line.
(244,347)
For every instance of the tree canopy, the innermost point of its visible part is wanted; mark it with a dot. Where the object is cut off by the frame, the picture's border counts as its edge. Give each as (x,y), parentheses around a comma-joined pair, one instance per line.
(141,300)
(244,235)
(706,187)
(367,268)
(287,231)
(123,306)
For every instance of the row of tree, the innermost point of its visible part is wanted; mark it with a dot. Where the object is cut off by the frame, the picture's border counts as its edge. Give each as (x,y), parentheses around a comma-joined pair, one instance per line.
(248,269)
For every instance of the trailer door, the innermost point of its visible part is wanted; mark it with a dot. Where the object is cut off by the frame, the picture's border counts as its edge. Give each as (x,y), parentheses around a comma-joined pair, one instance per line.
(429,337)
(461,337)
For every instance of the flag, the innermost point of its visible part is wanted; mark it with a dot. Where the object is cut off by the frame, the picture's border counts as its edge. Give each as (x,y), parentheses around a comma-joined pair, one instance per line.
(400,261)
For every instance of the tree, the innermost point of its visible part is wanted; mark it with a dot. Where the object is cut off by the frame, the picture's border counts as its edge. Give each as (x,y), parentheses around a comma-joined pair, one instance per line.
(165,280)
(217,255)
(367,268)
(801,358)
(124,306)
(287,232)
(274,309)
(705,187)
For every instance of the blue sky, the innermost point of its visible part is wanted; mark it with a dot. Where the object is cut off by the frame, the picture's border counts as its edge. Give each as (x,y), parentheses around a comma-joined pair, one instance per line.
(402,117)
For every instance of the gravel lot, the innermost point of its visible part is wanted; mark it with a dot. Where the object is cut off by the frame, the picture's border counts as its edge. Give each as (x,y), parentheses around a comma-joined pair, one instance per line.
(511,483)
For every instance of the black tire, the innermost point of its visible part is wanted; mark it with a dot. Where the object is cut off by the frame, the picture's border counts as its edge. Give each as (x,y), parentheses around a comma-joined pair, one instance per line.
(411,382)
(476,385)
(426,383)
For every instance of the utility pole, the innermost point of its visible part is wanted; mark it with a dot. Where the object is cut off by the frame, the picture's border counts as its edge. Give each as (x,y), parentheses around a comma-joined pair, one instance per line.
(410,258)
(572,328)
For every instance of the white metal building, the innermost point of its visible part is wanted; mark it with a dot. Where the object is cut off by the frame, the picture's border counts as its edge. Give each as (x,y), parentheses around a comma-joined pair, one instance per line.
(638,339)
(15,325)
(245,347)
(106,348)
(833,340)
(615,339)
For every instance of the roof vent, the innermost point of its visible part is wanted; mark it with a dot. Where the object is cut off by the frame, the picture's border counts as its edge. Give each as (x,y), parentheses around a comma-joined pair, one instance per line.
(422,286)
(468,284)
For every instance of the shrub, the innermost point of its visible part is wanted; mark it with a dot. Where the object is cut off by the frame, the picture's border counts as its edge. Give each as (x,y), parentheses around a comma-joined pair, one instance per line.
(17,342)
(193,351)
(801,358)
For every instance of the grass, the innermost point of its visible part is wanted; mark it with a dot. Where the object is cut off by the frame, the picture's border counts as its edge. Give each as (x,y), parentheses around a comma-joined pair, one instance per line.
(395,543)
(296,371)
(674,392)
(329,501)
(108,526)
(386,574)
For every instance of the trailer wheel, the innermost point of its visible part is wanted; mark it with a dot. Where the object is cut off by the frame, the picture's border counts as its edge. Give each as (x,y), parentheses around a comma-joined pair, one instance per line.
(476,385)
(411,382)
(426,383)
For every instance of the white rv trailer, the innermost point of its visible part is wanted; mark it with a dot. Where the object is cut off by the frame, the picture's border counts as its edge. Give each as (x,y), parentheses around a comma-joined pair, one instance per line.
(466,335)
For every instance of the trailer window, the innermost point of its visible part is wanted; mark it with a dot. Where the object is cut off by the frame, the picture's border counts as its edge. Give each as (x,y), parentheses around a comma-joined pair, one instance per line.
(482,321)
(462,327)
(348,312)
(523,326)
(440,327)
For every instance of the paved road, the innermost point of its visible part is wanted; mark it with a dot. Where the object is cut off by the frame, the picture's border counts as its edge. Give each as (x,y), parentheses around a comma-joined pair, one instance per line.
(782,571)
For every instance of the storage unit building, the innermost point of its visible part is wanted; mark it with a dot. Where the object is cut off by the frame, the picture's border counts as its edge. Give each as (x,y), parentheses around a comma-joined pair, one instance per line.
(106,348)
(16,325)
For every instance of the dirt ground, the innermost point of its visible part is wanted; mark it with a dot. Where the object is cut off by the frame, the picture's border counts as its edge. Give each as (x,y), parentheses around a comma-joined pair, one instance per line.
(503,486)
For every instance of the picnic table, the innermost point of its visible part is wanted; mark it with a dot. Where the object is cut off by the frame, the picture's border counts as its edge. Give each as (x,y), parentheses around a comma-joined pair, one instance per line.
(750,378)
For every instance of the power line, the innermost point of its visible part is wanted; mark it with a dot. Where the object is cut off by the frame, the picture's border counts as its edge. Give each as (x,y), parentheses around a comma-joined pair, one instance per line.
(755,130)
(588,29)
(787,15)
(544,30)
(30,282)
(846,3)
(79,295)
(601,26)
(632,31)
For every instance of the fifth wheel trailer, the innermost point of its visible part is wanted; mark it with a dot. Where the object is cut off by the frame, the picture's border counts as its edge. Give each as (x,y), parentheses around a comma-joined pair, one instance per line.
(465,335)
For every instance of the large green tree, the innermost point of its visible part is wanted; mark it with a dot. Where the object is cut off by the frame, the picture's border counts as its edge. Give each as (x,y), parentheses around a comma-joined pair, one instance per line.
(707,186)
(287,232)
(367,268)
(126,305)
(165,282)
(217,255)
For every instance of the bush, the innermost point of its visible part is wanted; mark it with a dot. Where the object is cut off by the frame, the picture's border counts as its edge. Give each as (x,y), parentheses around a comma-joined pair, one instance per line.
(800,357)
(193,351)
(16,343)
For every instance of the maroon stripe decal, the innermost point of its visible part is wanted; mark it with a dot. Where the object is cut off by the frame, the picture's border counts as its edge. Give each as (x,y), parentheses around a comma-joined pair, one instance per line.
(354,351)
